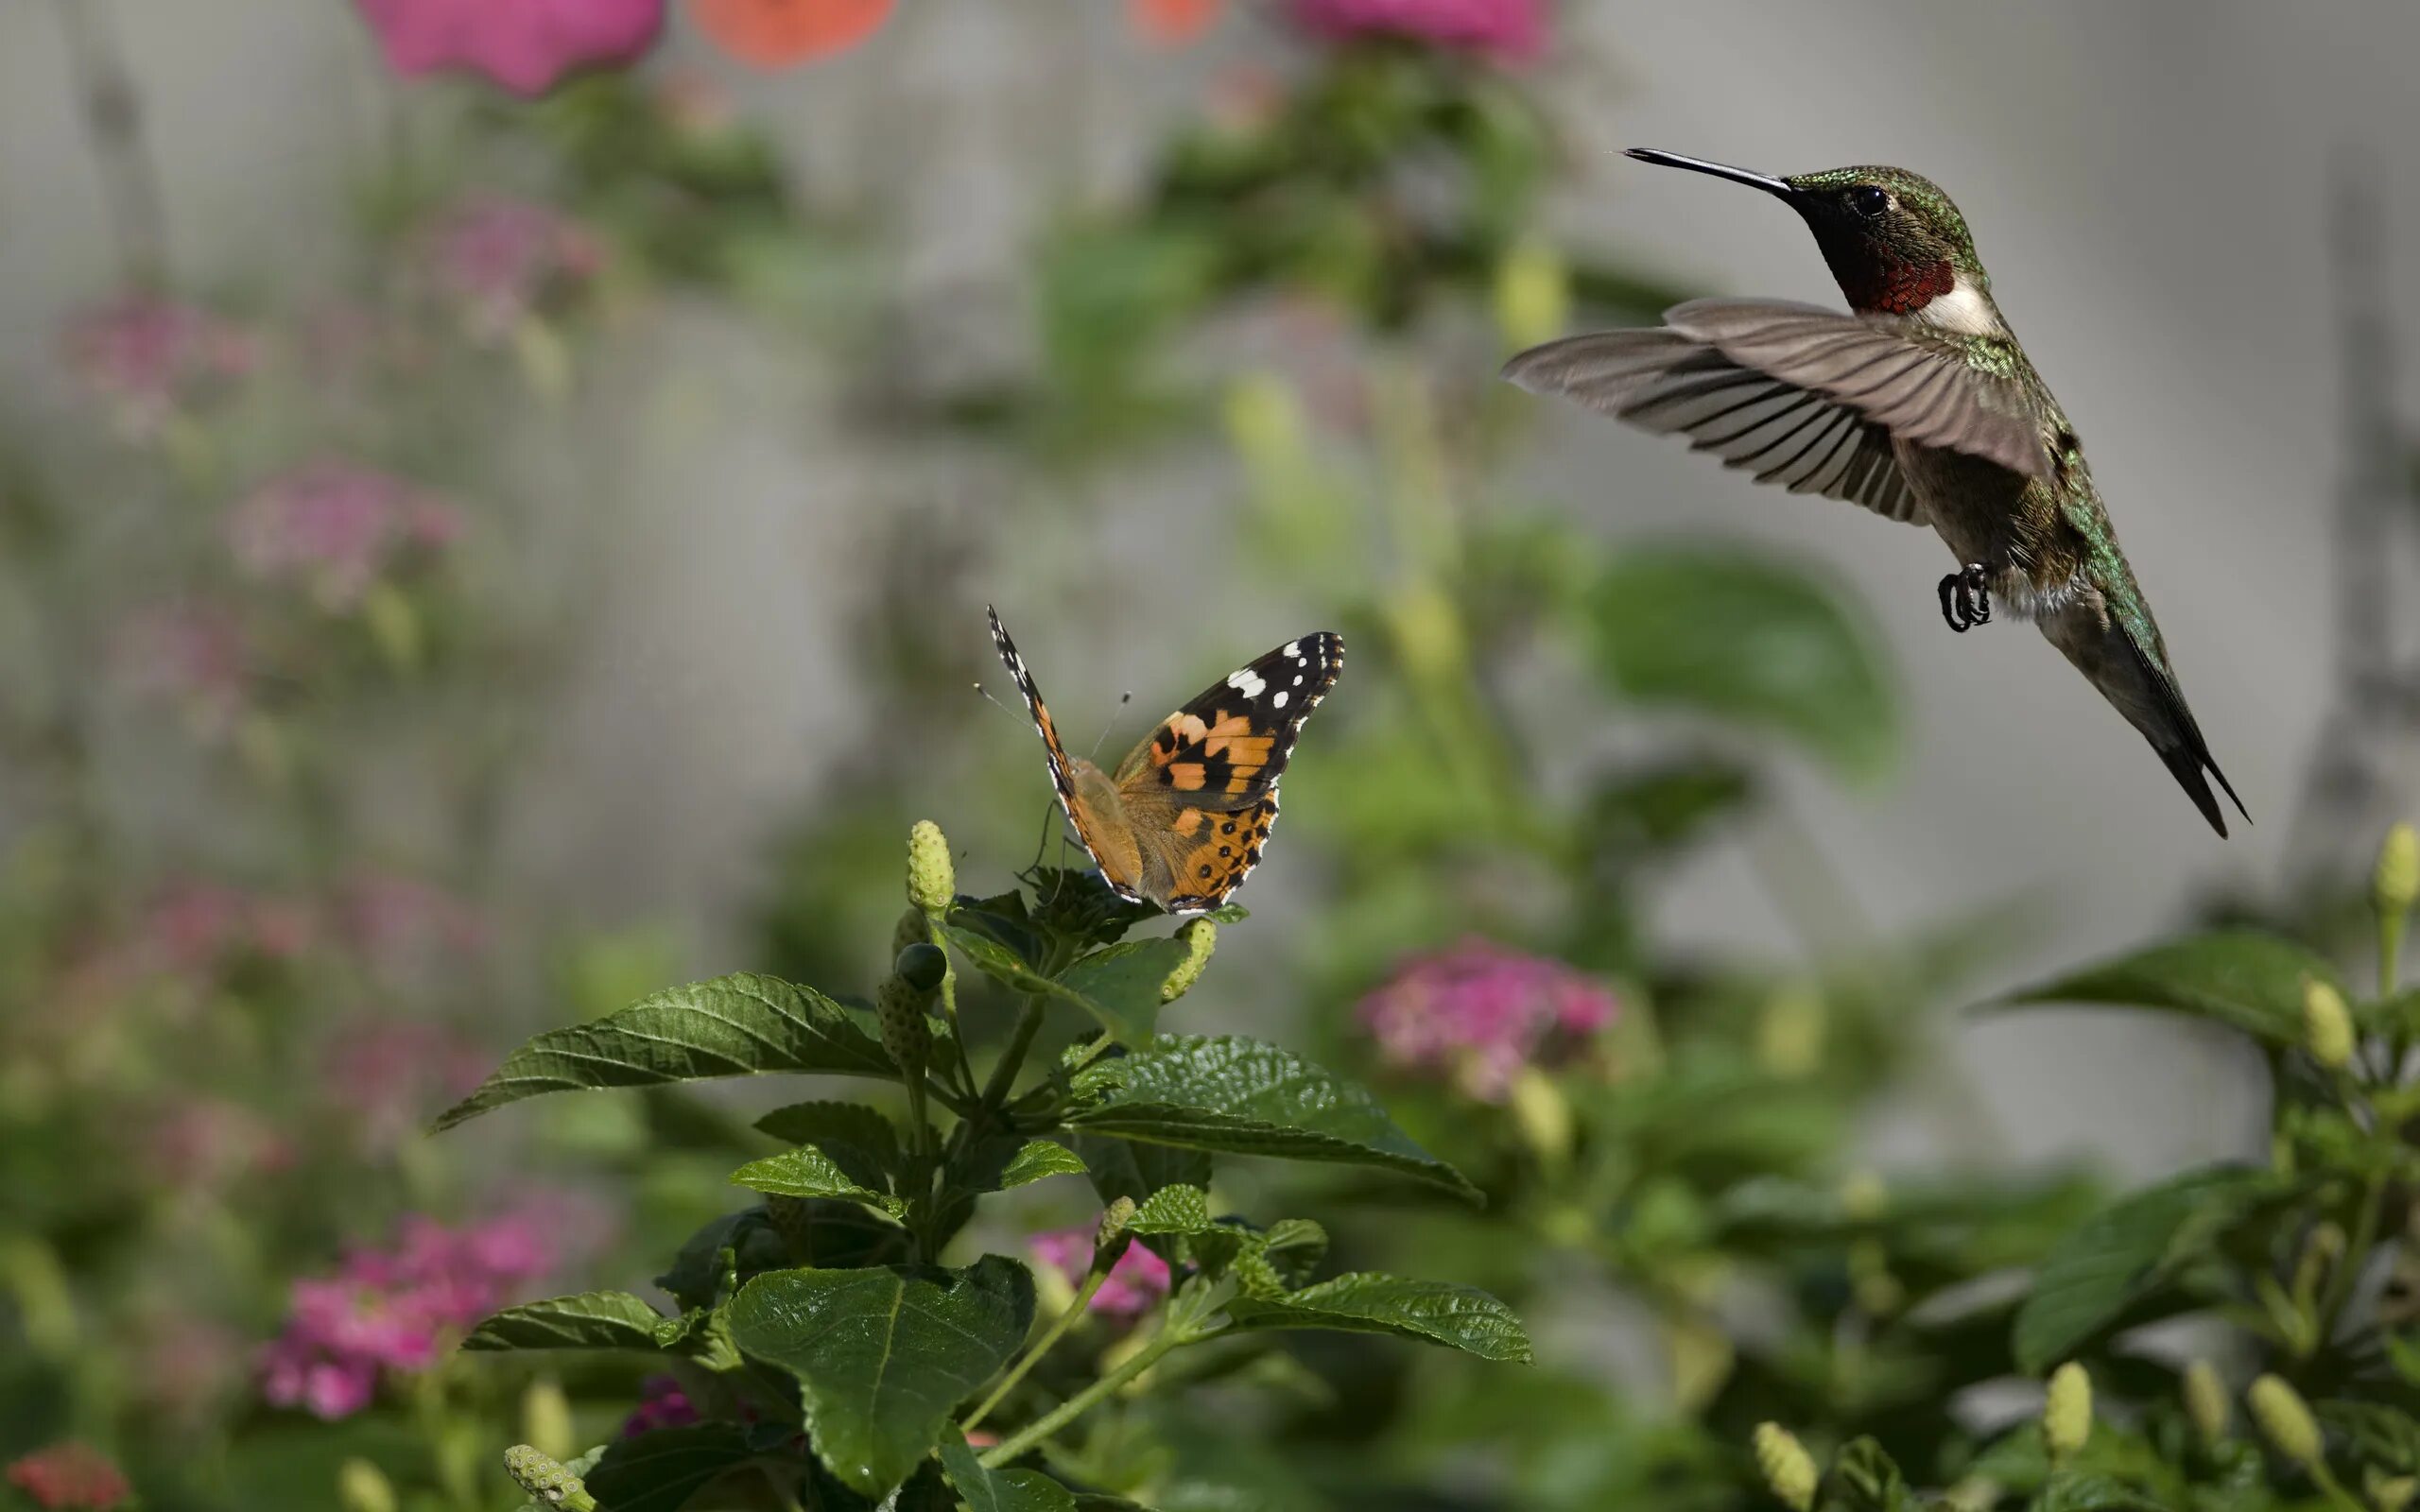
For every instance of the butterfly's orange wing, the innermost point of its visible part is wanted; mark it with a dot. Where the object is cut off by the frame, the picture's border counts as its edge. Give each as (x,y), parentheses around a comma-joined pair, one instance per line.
(1101,827)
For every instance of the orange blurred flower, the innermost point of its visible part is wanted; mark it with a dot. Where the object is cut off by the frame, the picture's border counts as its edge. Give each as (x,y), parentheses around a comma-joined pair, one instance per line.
(1173,22)
(785,33)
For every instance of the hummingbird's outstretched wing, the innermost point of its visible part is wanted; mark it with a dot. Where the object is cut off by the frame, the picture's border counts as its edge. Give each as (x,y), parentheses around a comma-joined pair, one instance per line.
(1803,397)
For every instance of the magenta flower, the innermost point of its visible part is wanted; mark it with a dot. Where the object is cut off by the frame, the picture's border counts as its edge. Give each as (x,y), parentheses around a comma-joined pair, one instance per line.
(69,1475)
(148,359)
(395,1311)
(661,1404)
(1479,1013)
(525,46)
(500,259)
(1133,1286)
(336,526)
(1509,30)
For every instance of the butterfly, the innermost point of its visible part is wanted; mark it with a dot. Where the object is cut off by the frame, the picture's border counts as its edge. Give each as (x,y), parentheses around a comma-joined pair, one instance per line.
(1181,821)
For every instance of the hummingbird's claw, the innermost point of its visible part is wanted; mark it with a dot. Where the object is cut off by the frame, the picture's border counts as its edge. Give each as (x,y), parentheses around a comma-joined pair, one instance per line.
(1966,598)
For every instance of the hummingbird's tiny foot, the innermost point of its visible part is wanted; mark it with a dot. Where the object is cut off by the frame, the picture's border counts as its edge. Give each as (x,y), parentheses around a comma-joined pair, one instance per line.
(1967,599)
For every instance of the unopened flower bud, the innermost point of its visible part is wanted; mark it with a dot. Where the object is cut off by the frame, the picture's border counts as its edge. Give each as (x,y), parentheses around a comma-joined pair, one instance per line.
(546,1480)
(362,1486)
(2396,881)
(1788,1469)
(2206,1402)
(545,1418)
(932,882)
(2067,1412)
(1790,1034)
(1200,937)
(2388,1493)
(922,967)
(913,928)
(1542,1113)
(1532,295)
(900,1009)
(1114,1220)
(1863,1197)
(2327,1025)
(2286,1419)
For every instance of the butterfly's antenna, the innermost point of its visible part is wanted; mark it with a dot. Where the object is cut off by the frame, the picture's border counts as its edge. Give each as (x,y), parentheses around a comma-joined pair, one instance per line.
(993,702)
(1123,699)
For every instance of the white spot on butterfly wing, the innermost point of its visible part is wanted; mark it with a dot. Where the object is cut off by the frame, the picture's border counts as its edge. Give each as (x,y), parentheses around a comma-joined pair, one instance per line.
(1246,681)
(1279,701)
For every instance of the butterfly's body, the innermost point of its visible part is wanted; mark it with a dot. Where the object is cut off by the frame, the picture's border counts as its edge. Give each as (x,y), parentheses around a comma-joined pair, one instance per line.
(1181,820)
(1919,405)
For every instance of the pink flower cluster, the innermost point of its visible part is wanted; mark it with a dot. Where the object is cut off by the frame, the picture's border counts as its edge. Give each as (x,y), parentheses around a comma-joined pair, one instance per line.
(148,357)
(1479,1013)
(661,1404)
(498,259)
(336,526)
(191,655)
(395,1311)
(1133,1286)
(1509,30)
(388,1075)
(194,926)
(523,44)
(70,1475)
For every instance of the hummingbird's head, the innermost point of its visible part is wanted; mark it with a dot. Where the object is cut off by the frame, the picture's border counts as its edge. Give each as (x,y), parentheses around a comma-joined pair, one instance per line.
(1894,241)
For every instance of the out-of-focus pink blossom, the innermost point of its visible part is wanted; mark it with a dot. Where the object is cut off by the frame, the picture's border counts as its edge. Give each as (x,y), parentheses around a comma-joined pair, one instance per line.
(661,1404)
(336,526)
(1509,31)
(194,926)
(525,46)
(395,1311)
(500,259)
(396,922)
(1479,1013)
(388,1077)
(187,1364)
(191,655)
(70,1475)
(146,357)
(207,1143)
(1133,1286)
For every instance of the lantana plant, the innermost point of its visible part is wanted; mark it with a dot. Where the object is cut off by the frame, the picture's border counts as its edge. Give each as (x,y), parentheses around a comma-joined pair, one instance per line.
(836,1344)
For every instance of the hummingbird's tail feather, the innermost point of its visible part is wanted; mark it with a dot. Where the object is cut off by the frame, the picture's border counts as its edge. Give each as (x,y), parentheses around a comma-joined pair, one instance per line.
(2138,686)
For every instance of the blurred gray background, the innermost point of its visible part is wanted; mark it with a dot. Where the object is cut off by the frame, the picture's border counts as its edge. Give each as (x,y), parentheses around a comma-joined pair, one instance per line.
(2148,181)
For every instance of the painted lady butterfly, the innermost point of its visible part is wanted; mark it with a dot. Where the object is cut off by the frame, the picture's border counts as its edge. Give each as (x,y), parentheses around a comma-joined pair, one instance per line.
(1182,819)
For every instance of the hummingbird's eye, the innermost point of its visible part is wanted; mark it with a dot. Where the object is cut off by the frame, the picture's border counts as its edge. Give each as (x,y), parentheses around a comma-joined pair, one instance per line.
(1869,201)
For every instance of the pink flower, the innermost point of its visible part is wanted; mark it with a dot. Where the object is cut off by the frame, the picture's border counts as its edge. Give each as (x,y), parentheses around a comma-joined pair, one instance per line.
(661,1404)
(195,926)
(525,46)
(395,920)
(70,1475)
(1511,30)
(337,527)
(386,1077)
(395,1311)
(1133,1286)
(191,655)
(148,357)
(498,259)
(1479,1012)
(206,1144)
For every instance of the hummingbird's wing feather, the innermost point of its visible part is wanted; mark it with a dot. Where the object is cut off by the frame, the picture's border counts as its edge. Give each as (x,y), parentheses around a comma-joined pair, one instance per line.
(1924,388)
(1797,437)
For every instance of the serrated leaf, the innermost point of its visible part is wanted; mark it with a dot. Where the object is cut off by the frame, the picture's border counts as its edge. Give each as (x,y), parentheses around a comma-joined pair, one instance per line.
(859,1139)
(591,1320)
(735,1025)
(1246,1097)
(806,1172)
(2385,1437)
(1007,1162)
(882,1356)
(1748,638)
(989,1490)
(1173,1211)
(660,1472)
(2249,981)
(1460,1317)
(2124,1254)
(1119,986)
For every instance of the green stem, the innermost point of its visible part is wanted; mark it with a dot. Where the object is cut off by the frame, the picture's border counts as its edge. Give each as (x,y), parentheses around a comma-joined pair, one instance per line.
(1040,1347)
(2356,1257)
(1083,1401)
(1004,1070)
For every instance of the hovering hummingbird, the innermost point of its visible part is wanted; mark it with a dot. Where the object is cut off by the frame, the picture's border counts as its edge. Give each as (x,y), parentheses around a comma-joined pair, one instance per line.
(1920,406)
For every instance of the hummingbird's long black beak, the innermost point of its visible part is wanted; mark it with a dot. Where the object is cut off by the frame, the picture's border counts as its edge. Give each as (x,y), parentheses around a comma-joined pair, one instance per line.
(1766,182)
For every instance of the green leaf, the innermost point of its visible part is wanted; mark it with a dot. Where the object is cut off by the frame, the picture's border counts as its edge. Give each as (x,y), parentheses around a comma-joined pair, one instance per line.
(735,1025)
(2249,981)
(1121,1169)
(859,1140)
(1863,1479)
(2381,1436)
(1246,1097)
(807,1172)
(1173,1211)
(1750,639)
(1119,985)
(882,1356)
(1460,1317)
(1005,1161)
(660,1472)
(591,1320)
(2079,1491)
(2125,1253)
(989,1490)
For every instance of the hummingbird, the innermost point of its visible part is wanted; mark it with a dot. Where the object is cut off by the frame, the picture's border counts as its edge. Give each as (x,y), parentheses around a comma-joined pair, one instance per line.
(1918,405)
